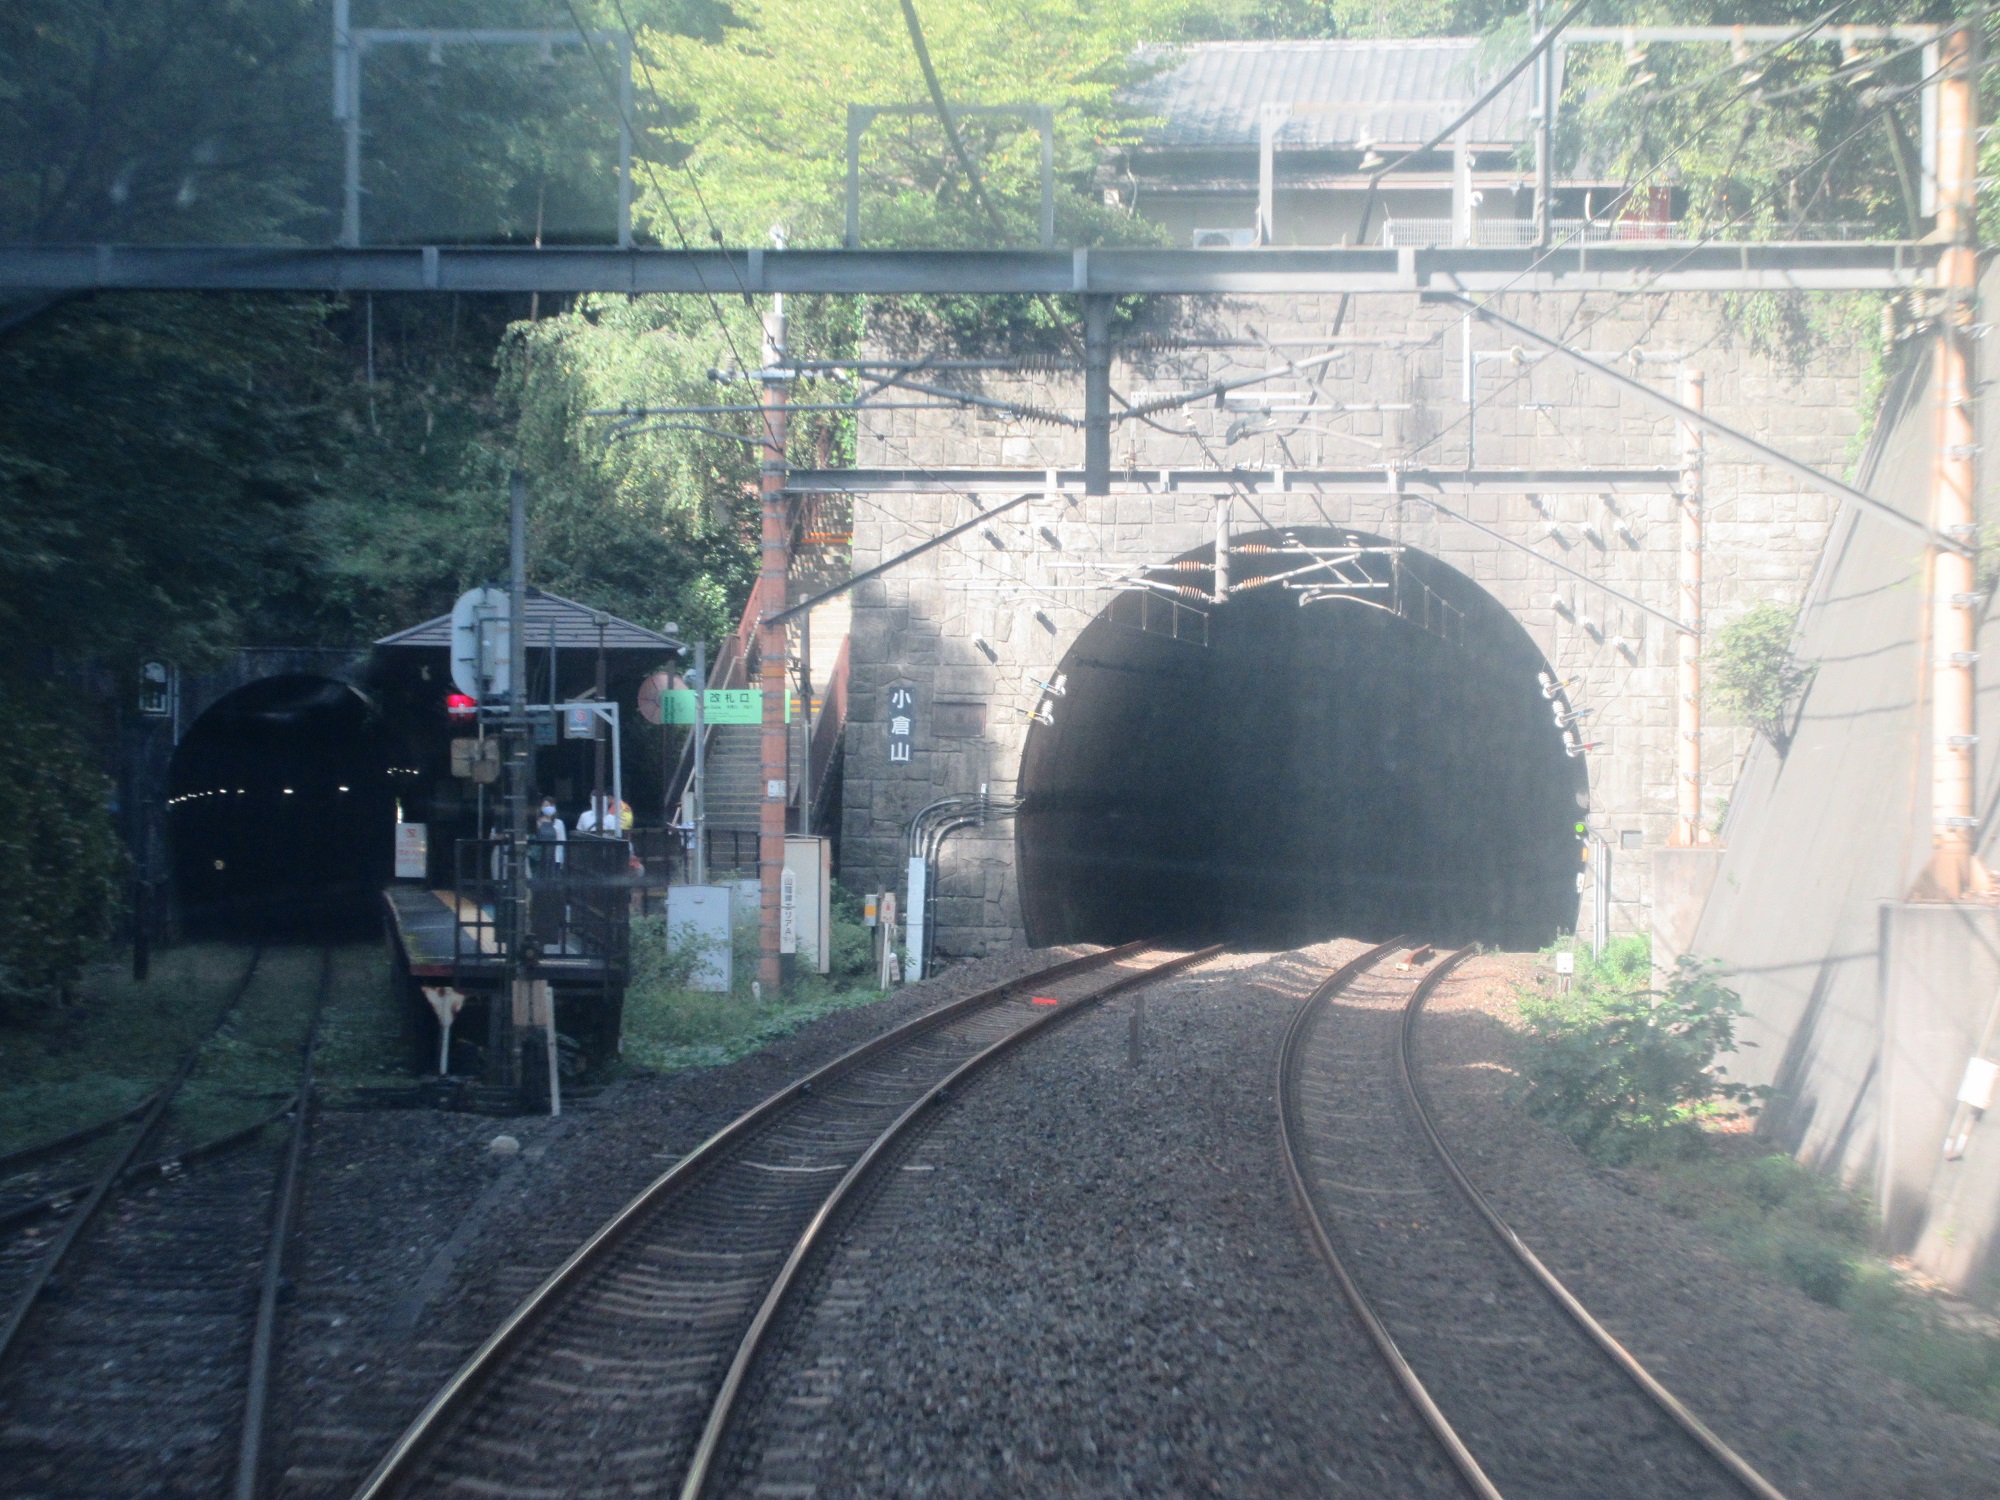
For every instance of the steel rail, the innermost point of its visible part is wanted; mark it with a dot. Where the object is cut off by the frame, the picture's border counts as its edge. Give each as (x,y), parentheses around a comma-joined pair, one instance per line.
(21,1213)
(1734,1464)
(1470,1474)
(399,1465)
(62,1145)
(702,1464)
(107,1181)
(263,1337)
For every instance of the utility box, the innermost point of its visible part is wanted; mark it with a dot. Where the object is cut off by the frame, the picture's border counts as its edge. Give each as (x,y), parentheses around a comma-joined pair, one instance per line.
(699,914)
(809,861)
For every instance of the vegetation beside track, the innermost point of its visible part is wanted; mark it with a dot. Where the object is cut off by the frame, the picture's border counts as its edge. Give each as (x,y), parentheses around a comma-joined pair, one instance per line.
(670,1026)
(65,1067)
(1625,1070)
(1630,1074)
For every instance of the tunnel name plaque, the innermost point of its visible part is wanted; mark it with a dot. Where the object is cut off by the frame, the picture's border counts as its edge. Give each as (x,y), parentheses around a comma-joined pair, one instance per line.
(902,723)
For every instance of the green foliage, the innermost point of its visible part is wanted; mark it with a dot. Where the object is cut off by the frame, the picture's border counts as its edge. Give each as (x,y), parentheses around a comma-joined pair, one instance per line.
(656,518)
(64,1067)
(1752,674)
(1948,1358)
(764,112)
(61,866)
(1624,1070)
(1757,149)
(668,1025)
(122,121)
(156,455)
(1789,1222)
(1778,1216)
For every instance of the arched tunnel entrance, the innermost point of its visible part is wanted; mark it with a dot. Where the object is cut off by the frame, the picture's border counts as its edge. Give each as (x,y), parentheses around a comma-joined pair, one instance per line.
(1375,763)
(281,813)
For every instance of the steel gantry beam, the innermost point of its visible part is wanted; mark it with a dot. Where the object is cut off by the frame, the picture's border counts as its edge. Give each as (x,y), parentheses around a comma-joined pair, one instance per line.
(1268,481)
(1629,266)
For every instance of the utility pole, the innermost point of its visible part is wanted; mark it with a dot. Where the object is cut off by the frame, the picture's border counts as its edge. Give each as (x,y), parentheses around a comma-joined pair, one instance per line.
(1687,813)
(519,929)
(1544,113)
(772,584)
(1096,395)
(1954,872)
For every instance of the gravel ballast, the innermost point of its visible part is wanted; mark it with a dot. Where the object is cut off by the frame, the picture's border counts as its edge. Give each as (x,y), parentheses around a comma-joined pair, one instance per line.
(1779,1377)
(1073,1203)
(1087,1278)
(416,1240)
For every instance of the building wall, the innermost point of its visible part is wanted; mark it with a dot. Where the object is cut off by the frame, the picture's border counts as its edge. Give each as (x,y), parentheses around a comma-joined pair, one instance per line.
(976,620)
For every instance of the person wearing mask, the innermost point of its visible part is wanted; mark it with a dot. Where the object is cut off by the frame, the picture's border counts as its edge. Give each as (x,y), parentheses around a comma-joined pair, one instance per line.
(549,828)
(545,862)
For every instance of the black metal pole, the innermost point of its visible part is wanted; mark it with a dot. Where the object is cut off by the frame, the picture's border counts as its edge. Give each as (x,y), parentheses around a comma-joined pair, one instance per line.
(520,957)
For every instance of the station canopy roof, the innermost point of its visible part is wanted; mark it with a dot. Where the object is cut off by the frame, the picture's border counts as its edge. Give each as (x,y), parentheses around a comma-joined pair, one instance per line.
(574,626)
(1343,95)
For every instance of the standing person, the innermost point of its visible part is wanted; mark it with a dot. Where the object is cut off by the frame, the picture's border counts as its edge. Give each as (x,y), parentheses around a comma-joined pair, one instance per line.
(549,827)
(605,818)
(545,864)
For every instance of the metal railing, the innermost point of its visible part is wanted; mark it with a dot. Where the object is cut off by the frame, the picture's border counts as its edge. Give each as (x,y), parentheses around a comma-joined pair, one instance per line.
(579,903)
(1520,233)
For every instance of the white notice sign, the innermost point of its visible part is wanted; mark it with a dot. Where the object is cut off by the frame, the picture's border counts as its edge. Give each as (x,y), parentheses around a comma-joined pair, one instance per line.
(412,851)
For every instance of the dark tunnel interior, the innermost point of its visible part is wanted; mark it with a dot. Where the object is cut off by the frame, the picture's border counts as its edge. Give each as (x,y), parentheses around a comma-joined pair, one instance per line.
(1316,770)
(281,813)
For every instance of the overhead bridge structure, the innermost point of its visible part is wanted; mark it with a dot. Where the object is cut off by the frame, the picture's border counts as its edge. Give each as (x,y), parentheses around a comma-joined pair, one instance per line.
(1632,266)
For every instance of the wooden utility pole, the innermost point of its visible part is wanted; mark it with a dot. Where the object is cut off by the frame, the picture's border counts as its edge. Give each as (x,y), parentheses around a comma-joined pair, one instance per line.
(1954,872)
(772,584)
(1687,687)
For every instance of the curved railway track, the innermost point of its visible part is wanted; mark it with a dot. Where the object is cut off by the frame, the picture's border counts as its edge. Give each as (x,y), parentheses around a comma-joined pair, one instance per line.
(621,1373)
(1523,1389)
(140,1337)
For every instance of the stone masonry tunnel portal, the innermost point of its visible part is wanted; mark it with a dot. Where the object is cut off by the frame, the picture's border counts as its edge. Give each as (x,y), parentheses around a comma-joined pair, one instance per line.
(1314,770)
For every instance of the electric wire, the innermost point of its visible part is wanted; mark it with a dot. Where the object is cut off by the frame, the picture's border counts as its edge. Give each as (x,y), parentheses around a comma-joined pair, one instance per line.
(632,134)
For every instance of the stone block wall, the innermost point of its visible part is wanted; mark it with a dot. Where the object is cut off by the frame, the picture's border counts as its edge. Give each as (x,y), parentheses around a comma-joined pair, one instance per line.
(978,620)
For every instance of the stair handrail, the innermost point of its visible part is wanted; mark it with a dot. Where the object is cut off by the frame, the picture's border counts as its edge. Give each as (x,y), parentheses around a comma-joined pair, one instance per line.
(827,730)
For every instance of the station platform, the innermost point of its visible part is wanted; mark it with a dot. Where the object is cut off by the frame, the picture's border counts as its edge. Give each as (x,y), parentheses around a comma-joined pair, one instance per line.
(443,937)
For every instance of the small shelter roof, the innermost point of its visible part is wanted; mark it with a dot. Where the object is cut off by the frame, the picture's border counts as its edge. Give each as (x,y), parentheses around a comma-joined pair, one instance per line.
(1344,94)
(576,627)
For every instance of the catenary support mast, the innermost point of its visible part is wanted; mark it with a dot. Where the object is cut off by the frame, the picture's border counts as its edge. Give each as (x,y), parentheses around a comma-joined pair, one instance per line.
(772,584)
(1954,872)
(1687,687)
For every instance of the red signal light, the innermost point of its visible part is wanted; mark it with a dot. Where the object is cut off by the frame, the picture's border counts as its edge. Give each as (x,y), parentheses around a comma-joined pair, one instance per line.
(461,708)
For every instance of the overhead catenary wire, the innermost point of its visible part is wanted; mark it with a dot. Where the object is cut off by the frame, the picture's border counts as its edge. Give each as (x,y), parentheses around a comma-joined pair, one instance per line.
(1837,488)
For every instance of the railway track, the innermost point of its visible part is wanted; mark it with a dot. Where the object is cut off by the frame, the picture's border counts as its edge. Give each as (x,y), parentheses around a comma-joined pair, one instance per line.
(139,1338)
(1523,1389)
(621,1374)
